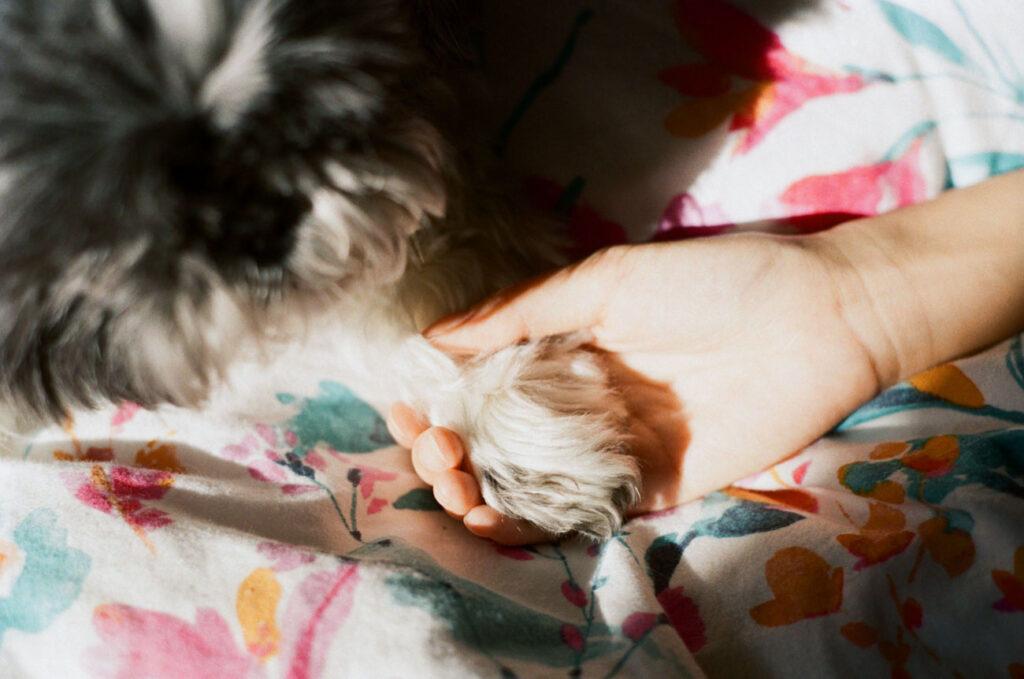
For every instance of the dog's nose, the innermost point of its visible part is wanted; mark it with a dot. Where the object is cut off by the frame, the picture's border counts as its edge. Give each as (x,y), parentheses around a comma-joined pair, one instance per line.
(247,227)
(263,228)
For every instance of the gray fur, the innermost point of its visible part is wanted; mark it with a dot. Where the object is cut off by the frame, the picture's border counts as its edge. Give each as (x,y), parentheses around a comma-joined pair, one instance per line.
(178,177)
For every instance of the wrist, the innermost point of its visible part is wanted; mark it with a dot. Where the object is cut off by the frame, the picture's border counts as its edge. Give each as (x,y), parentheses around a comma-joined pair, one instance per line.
(933,282)
(876,298)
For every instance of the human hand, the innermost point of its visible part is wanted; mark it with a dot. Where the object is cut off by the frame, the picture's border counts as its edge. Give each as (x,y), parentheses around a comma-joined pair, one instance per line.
(732,353)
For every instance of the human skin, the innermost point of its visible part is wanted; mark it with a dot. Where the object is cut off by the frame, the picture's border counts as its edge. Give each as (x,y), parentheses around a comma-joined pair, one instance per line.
(737,351)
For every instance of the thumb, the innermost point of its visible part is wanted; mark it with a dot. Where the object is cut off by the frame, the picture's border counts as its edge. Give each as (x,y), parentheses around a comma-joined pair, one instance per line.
(557,302)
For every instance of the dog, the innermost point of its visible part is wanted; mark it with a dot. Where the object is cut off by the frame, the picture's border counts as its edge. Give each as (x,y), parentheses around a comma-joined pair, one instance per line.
(179,178)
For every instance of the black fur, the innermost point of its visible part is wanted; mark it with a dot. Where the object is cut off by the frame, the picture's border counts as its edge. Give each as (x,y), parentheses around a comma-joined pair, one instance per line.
(124,202)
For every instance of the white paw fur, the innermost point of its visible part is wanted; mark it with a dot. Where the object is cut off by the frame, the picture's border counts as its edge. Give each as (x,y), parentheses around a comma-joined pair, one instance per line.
(546,435)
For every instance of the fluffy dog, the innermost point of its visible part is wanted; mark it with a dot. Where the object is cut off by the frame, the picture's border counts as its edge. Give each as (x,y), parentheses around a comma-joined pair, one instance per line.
(179,177)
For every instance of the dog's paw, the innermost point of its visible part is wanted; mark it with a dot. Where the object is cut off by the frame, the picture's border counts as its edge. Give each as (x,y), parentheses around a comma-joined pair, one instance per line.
(548,438)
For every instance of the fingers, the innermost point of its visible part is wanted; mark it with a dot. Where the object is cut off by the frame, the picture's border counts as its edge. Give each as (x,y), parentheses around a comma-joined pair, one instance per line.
(436,451)
(486,522)
(437,454)
(405,424)
(569,299)
(457,492)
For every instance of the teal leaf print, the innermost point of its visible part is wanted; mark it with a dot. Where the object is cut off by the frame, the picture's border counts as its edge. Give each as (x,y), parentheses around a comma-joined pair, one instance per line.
(337,418)
(904,397)
(420,499)
(482,619)
(662,558)
(903,144)
(738,520)
(51,578)
(541,83)
(991,163)
(501,627)
(746,518)
(993,460)
(1015,360)
(921,31)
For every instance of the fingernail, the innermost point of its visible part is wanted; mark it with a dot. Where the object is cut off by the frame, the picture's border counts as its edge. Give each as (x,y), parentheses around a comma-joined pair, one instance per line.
(431,455)
(405,421)
(442,494)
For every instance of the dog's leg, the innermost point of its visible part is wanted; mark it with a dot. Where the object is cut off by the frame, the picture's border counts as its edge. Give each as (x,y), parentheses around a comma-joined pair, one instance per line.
(546,435)
(545,432)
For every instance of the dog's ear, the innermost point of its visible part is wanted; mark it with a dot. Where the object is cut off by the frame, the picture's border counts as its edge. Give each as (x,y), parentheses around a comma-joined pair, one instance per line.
(450,30)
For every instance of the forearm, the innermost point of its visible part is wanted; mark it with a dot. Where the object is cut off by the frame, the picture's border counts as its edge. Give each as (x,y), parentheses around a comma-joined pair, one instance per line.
(930,283)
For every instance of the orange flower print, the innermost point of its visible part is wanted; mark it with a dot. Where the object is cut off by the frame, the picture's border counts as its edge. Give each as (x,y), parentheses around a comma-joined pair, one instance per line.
(952,548)
(880,539)
(936,456)
(949,383)
(804,587)
(1011,584)
(256,607)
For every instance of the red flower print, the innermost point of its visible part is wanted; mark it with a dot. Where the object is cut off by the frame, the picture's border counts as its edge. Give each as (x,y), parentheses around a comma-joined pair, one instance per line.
(573,594)
(1011,584)
(587,230)
(572,638)
(684,615)
(638,624)
(734,45)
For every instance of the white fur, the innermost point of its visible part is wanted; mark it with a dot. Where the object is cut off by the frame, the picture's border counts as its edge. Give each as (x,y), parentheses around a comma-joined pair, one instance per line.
(241,76)
(547,434)
(189,30)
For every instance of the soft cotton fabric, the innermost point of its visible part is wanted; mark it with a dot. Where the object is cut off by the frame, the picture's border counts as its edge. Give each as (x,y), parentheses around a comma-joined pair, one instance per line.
(298,542)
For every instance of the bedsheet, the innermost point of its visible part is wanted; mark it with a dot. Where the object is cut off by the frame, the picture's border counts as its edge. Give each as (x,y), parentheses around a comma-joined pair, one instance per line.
(297,542)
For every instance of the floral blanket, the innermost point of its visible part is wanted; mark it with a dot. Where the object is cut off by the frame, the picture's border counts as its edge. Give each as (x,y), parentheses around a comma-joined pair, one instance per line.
(297,542)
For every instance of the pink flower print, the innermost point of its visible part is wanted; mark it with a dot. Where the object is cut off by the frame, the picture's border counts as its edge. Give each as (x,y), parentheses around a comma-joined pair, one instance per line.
(267,468)
(267,433)
(262,460)
(376,505)
(315,460)
(684,217)
(313,616)
(369,478)
(821,201)
(240,452)
(785,95)
(121,492)
(284,557)
(515,553)
(800,472)
(734,45)
(298,489)
(140,643)
(124,413)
